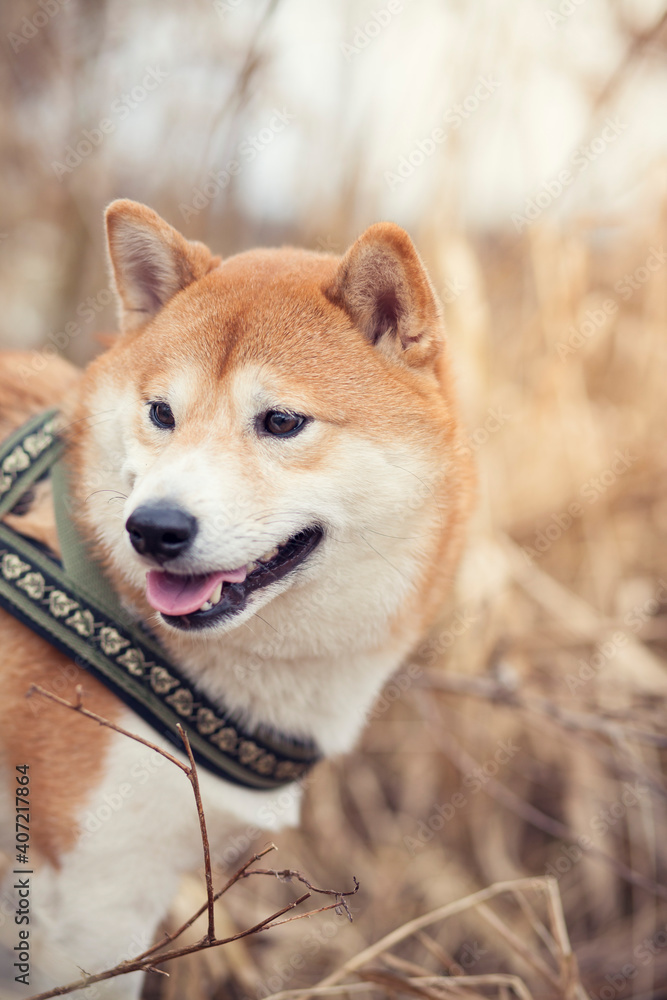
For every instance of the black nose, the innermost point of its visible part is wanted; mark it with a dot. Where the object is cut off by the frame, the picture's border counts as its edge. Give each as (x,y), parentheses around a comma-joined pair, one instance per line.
(161,530)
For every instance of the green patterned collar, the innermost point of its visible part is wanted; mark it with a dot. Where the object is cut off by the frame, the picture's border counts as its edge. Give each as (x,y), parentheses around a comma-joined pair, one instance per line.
(72,606)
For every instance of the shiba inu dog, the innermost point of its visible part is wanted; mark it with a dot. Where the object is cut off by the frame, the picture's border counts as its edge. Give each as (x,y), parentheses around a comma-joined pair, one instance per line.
(268,466)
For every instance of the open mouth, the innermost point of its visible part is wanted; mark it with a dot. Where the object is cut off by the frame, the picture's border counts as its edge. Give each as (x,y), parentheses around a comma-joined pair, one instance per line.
(194,602)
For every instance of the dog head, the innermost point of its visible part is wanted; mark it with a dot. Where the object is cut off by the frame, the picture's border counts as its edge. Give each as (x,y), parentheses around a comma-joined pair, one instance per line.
(276,423)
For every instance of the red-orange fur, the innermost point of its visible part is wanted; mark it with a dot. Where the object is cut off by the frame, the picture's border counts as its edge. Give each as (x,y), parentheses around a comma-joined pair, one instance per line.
(65,753)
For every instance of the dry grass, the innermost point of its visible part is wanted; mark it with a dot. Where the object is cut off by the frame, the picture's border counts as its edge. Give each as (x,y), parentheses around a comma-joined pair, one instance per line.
(560,655)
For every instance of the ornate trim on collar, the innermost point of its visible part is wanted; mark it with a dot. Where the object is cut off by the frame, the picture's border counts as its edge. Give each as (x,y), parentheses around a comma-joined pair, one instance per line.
(36,589)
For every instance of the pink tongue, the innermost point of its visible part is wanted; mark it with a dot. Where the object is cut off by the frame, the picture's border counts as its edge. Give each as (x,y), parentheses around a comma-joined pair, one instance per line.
(181,595)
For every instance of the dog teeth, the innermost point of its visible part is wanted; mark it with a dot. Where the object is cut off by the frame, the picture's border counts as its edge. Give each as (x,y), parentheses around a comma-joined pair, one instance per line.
(251,566)
(206,606)
(216,595)
(268,556)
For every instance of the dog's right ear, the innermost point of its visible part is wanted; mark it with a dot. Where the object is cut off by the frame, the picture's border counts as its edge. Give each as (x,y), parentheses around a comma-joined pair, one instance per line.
(383,286)
(151,261)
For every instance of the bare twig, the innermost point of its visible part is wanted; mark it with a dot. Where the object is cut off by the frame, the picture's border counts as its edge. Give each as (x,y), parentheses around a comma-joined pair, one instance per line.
(194,781)
(168,938)
(151,958)
(190,772)
(142,965)
(287,875)
(77,706)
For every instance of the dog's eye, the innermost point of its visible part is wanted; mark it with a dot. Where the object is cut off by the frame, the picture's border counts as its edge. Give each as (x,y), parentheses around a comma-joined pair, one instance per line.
(283,424)
(161,415)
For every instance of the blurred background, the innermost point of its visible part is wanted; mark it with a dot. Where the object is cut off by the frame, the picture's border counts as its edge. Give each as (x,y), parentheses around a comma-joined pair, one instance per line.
(524,147)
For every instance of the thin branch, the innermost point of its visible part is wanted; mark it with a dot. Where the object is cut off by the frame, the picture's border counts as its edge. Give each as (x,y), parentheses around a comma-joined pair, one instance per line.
(309,913)
(287,874)
(194,781)
(190,772)
(168,938)
(77,706)
(141,965)
(149,960)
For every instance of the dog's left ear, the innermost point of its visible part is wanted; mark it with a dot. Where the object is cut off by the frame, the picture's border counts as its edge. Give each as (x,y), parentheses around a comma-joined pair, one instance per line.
(383,286)
(151,261)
